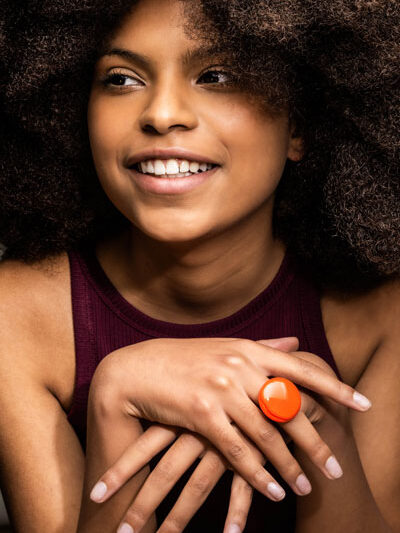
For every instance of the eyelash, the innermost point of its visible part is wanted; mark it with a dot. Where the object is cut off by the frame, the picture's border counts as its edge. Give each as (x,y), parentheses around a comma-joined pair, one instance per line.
(107,80)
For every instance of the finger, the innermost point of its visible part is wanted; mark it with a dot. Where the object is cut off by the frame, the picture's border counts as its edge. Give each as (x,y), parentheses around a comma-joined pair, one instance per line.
(285,344)
(135,457)
(269,441)
(306,437)
(303,373)
(162,478)
(218,430)
(239,505)
(195,492)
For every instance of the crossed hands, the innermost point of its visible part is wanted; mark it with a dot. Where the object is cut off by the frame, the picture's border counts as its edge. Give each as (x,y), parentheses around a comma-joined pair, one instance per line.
(202,394)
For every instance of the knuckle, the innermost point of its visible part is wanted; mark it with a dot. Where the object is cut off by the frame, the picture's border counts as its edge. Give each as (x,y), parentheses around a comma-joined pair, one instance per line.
(239,515)
(201,406)
(220,381)
(172,524)
(320,451)
(163,472)
(242,488)
(268,434)
(290,470)
(200,484)
(135,515)
(236,451)
(307,369)
(260,476)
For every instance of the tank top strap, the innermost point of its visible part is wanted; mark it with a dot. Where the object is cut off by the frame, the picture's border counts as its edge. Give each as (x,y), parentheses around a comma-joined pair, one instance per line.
(86,356)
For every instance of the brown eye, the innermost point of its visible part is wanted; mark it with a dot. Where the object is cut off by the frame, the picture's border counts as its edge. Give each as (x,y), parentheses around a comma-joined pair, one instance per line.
(219,77)
(119,79)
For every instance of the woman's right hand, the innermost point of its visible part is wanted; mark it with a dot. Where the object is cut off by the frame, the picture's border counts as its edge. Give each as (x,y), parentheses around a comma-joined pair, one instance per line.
(204,385)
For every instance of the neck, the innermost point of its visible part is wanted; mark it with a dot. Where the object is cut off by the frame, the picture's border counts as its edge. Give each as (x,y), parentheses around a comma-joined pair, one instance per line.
(194,282)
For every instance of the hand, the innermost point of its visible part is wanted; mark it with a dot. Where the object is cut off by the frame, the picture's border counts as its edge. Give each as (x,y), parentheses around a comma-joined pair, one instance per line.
(186,449)
(217,384)
(180,456)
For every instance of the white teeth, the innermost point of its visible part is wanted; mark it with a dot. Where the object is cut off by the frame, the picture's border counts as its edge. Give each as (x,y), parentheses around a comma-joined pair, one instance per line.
(172,166)
(159,167)
(193,166)
(184,166)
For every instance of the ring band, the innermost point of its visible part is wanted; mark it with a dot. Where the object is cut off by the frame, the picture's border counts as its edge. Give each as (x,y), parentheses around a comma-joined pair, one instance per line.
(279,399)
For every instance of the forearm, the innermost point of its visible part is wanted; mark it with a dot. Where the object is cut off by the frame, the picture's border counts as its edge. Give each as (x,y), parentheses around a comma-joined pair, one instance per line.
(344,504)
(109,432)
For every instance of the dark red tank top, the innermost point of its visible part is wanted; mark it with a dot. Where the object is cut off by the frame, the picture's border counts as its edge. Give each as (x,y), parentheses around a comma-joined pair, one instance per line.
(104,321)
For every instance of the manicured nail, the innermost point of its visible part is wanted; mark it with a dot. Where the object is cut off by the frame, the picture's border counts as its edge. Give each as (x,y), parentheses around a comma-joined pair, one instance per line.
(276,491)
(125,528)
(361,400)
(333,467)
(233,528)
(98,491)
(303,484)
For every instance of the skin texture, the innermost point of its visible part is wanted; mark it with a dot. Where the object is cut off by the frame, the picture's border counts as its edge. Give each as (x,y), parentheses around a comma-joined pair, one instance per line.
(187,237)
(193,272)
(328,64)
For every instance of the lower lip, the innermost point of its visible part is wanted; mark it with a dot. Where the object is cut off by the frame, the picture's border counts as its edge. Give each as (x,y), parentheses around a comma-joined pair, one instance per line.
(161,185)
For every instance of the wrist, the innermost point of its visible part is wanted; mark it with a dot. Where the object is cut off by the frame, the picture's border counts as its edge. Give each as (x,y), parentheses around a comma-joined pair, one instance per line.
(106,396)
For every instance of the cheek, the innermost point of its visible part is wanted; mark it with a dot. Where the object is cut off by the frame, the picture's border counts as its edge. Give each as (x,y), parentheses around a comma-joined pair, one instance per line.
(106,127)
(257,147)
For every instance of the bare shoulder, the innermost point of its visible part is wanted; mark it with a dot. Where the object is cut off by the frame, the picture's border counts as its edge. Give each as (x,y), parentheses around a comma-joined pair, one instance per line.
(358,325)
(36,321)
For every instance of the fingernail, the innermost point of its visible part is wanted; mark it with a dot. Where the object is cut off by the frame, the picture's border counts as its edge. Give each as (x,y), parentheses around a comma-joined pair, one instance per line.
(233,528)
(125,528)
(361,400)
(303,484)
(98,491)
(333,467)
(276,491)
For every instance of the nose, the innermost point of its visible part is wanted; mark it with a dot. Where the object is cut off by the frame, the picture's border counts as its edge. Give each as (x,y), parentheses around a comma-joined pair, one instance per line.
(168,107)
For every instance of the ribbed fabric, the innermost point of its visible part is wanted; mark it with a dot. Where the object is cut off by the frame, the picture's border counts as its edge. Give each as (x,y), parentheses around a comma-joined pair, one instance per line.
(104,321)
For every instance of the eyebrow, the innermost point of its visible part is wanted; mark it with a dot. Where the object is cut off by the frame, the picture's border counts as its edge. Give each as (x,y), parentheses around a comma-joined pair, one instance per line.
(196,54)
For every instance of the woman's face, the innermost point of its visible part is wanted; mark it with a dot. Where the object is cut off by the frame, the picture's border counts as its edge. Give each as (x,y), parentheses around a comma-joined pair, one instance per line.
(153,93)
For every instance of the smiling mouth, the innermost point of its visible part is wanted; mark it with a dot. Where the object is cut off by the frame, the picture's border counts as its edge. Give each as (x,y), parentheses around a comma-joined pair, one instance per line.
(171,168)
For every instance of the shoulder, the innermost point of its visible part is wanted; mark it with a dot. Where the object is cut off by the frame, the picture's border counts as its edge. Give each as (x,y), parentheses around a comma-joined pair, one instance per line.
(357,326)
(36,321)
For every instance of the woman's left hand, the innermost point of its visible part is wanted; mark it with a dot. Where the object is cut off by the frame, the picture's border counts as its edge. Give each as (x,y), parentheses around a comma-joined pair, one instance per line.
(181,455)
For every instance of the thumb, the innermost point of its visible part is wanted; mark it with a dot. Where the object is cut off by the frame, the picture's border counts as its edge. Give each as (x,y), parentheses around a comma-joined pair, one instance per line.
(285,344)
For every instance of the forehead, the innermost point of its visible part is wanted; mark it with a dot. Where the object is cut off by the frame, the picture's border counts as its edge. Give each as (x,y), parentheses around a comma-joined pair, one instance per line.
(154,25)
(156,32)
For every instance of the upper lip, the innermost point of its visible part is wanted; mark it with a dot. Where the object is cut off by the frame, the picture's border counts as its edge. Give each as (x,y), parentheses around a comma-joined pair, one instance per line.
(168,153)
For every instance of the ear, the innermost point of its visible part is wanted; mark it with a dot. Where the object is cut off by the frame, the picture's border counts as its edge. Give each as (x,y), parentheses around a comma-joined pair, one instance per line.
(296,146)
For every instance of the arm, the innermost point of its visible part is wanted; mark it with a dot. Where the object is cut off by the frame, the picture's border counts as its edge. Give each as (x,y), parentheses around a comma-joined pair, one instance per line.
(41,460)
(40,456)
(366,497)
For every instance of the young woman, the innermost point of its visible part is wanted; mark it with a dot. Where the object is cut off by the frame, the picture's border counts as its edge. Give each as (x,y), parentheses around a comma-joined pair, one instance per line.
(226,211)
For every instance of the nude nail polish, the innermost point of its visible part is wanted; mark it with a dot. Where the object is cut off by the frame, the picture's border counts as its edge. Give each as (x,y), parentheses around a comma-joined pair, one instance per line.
(98,491)
(303,485)
(276,491)
(333,467)
(361,400)
(125,528)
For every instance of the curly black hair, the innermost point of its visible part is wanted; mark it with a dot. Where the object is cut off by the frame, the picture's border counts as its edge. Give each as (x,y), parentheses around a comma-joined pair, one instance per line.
(334,64)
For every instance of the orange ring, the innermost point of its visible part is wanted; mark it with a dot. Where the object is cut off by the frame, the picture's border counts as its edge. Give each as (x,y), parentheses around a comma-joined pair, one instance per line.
(279,399)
